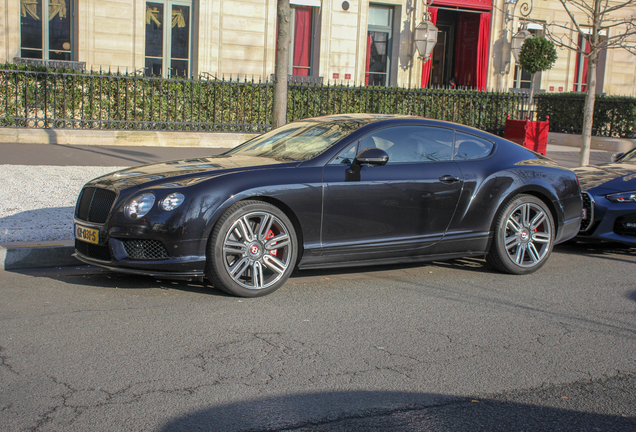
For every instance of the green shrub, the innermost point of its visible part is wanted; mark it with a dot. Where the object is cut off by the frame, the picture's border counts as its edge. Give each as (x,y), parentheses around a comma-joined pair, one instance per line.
(613,116)
(41,98)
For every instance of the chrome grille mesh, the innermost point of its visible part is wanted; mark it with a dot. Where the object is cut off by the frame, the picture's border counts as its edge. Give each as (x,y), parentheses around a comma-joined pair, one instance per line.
(94,204)
(94,251)
(145,249)
(587,205)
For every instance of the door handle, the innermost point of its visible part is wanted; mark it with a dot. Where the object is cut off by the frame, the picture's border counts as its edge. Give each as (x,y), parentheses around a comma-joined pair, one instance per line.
(448,179)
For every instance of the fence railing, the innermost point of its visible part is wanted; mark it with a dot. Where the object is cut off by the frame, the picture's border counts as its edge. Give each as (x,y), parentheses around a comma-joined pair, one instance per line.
(115,101)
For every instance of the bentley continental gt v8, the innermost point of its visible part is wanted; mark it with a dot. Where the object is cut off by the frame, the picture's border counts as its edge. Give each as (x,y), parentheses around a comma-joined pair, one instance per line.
(333,191)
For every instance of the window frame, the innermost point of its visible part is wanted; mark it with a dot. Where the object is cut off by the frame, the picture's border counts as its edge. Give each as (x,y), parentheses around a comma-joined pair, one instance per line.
(166,55)
(390,30)
(46,39)
(313,41)
(581,62)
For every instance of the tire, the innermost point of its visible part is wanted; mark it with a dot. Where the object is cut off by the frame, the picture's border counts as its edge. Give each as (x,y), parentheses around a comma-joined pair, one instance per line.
(524,236)
(252,250)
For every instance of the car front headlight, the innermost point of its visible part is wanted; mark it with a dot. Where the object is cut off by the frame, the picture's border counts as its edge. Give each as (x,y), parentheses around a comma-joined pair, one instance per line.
(172,201)
(623,197)
(139,206)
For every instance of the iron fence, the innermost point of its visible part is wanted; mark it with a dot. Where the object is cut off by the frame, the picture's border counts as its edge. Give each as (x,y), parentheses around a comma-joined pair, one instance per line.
(134,102)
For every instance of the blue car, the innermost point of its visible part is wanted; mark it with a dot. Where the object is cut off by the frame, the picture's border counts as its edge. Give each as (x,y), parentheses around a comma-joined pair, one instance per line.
(609,200)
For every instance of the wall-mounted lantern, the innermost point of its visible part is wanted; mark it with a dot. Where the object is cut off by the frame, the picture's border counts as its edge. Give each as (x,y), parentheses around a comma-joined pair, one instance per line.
(425,37)
(517,40)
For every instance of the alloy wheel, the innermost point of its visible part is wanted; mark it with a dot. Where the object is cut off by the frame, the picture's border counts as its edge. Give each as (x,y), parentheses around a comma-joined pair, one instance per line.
(257,250)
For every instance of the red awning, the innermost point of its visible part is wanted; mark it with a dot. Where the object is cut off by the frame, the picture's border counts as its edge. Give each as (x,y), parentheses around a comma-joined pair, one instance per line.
(465,4)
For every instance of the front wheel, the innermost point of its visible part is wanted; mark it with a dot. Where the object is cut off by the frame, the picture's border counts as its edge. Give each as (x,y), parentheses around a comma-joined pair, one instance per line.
(252,250)
(524,236)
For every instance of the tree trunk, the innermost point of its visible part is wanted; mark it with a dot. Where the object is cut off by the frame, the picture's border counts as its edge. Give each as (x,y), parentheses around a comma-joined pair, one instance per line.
(590,96)
(531,100)
(588,110)
(283,12)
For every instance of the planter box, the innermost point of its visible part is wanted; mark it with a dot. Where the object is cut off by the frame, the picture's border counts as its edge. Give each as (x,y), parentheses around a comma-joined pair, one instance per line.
(530,134)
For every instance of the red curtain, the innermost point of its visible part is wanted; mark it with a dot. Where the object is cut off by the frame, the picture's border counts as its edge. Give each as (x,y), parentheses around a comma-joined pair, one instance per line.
(302,41)
(482,51)
(426,68)
(583,80)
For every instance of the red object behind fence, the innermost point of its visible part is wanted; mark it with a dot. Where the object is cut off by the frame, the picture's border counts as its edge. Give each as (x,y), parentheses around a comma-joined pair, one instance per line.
(530,134)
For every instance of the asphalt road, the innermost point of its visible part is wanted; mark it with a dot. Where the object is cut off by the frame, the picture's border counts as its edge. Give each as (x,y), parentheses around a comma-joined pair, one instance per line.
(450,346)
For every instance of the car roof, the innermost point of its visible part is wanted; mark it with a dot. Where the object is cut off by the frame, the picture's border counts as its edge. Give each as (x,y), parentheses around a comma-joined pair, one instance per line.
(361,118)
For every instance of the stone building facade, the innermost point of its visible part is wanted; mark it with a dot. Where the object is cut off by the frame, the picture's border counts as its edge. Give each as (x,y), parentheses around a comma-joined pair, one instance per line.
(357,42)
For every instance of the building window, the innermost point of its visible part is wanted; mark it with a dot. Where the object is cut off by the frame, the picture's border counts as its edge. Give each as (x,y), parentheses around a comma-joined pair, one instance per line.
(379,40)
(46,29)
(581,66)
(300,54)
(168,38)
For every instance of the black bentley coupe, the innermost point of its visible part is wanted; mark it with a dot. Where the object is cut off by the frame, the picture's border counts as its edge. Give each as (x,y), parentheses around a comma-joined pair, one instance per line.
(341,190)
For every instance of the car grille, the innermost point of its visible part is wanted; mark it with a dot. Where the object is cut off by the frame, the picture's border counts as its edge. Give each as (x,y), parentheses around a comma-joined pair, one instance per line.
(94,204)
(588,206)
(145,249)
(625,225)
(98,252)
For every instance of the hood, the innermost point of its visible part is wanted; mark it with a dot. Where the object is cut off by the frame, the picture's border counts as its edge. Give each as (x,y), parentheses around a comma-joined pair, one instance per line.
(618,177)
(183,172)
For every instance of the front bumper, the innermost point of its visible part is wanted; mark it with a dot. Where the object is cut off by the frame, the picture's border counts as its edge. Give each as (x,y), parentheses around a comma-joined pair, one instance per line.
(193,275)
(114,256)
(609,221)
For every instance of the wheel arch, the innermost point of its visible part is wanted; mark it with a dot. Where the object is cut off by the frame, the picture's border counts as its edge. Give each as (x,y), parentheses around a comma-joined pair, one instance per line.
(537,192)
(266,199)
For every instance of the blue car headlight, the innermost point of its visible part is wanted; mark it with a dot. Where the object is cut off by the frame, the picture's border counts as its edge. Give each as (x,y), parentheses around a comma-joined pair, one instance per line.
(622,197)
(172,201)
(139,206)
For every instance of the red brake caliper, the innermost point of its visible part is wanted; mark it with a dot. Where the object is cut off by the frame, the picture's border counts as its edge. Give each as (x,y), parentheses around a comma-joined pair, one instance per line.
(269,235)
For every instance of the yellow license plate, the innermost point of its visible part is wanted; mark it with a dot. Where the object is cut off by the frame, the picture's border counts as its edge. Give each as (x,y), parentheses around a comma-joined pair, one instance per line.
(86,234)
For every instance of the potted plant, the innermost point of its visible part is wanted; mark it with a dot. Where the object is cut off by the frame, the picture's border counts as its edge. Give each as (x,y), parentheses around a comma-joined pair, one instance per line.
(537,55)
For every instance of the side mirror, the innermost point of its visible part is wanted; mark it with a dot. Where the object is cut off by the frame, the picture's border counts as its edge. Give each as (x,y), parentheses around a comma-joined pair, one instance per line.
(616,157)
(372,156)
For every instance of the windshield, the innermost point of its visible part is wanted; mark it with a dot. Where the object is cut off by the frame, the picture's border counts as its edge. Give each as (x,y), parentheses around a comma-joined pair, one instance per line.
(298,141)
(630,156)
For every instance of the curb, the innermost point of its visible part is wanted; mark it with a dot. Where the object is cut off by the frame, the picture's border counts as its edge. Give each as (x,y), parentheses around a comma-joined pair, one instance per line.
(17,256)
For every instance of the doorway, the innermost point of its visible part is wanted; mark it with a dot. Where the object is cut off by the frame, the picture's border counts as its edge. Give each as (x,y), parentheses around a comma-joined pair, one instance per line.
(455,55)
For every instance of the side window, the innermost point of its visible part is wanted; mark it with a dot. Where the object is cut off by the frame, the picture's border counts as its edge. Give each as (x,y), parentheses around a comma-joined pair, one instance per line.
(346,156)
(412,143)
(469,147)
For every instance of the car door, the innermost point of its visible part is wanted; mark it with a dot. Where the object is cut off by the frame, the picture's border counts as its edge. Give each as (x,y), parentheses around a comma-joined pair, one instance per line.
(397,209)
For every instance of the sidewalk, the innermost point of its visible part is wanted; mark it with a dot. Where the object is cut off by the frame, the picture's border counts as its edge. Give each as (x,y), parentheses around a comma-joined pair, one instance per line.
(36,220)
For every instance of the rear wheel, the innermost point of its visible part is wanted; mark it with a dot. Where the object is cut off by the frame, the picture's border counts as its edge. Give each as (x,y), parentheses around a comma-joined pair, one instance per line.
(252,250)
(524,236)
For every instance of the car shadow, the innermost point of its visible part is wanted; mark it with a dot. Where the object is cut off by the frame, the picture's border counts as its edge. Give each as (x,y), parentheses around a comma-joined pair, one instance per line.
(92,276)
(471,264)
(97,277)
(605,250)
(395,411)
